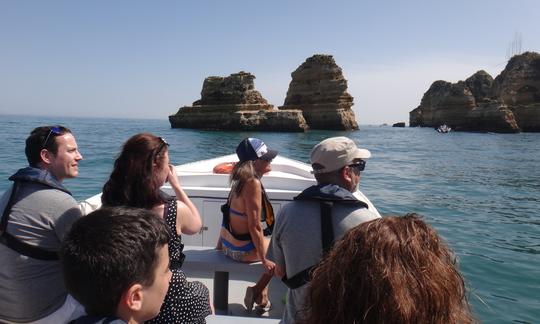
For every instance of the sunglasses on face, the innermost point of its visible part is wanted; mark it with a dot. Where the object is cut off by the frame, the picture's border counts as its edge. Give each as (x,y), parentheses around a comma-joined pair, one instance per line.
(358,166)
(52,130)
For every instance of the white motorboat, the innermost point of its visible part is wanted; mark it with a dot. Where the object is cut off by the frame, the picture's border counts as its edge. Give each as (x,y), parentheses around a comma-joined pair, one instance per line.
(209,190)
(444,128)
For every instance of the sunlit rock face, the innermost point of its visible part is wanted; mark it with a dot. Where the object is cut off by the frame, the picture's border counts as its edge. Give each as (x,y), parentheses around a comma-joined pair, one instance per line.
(319,89)
(518,86)
(508,103)
(232,103)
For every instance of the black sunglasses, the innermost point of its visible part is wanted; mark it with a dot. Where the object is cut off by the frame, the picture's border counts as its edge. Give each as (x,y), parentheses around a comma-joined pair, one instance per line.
(53,130)
(359,166)
(162,145)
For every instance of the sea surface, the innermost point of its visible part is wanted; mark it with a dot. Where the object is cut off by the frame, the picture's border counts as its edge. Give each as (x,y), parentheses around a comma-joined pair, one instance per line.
(481,191)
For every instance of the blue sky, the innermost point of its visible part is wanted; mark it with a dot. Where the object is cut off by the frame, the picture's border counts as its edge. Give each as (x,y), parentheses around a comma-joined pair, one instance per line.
(145,59)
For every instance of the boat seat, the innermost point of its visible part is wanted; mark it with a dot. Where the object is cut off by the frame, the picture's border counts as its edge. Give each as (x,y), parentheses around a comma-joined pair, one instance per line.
(223,319)
(203,258)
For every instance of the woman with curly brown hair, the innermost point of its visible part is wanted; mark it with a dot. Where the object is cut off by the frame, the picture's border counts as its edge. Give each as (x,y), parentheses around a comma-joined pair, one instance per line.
(139,172)
(389,270)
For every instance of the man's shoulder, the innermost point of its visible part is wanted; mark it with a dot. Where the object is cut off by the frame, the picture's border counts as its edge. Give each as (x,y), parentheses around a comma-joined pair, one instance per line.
(295,215)
(51,193)
(357,216)
(49,200)
(298,215)
(298,206)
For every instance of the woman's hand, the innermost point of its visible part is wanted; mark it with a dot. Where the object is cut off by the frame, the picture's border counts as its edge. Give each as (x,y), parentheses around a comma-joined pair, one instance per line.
(172,178)
(269,266)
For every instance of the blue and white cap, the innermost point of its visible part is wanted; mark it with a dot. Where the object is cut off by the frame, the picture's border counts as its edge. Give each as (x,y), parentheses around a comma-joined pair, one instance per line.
(252,149)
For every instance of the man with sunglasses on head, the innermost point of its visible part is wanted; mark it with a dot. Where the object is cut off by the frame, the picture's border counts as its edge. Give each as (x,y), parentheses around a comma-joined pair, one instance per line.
(37,211)
(307,227)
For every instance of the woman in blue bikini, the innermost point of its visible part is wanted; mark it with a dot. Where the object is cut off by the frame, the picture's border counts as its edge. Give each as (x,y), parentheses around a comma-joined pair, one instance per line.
(242,236)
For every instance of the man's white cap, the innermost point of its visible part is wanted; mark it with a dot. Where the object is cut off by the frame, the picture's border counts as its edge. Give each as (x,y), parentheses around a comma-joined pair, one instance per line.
(334,153)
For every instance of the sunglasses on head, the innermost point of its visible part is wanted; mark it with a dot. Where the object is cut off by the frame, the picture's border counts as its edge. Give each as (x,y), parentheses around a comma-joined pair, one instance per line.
(359,166)
(162,145)
(52,130)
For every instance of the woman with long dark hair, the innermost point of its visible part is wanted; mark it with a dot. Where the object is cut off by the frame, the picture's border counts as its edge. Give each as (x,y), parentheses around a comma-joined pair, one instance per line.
(139,172)
(242,236)
(389,270)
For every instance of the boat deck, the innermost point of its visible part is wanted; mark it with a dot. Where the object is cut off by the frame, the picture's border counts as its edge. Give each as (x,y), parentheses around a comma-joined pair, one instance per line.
(237,288)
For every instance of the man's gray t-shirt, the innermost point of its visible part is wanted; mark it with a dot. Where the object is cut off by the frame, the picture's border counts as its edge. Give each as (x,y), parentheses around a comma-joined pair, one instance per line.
(296,241)
(29,288)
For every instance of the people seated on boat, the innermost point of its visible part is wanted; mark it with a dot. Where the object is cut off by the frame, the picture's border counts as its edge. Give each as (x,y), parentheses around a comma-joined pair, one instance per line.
(242,236)
(36,212)
(389,270)
(139,171)
(115,262)
(307,227)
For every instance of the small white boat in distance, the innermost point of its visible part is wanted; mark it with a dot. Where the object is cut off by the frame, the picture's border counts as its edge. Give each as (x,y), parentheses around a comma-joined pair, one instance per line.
(444,128)
(209,190)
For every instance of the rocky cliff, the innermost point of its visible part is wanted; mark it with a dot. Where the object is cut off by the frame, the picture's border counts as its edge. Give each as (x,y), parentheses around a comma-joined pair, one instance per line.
(508,103)
(319,89)
(232,103)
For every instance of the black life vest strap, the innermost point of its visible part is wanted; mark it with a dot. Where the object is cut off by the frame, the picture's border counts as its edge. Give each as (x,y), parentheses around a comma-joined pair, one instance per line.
(327,229)
(327,238)
(267,213)
(13,243)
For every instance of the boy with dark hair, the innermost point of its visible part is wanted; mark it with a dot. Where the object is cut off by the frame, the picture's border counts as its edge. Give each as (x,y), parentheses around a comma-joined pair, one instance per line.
(115,262)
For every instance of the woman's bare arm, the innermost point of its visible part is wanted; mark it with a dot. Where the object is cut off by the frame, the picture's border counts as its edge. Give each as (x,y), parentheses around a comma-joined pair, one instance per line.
(188,219)
(251,194)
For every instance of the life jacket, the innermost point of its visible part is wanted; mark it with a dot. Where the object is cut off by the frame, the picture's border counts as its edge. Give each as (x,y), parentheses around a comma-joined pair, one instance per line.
(29,174)
(267,217)
(327,196)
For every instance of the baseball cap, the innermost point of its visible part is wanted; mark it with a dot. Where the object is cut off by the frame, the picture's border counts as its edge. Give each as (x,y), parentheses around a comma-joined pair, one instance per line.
(252,149)
(334,153)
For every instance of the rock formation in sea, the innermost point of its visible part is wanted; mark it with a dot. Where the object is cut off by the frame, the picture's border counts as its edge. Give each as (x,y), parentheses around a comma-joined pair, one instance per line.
(399,124)
(509,103)
(319,89)
(232,103)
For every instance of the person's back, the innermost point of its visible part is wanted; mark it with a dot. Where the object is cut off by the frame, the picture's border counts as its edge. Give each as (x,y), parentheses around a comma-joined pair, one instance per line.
(296,241)
(298,231)
(40,212)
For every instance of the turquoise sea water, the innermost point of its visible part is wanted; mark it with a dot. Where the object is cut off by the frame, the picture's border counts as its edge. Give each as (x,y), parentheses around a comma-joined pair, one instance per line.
(480,191)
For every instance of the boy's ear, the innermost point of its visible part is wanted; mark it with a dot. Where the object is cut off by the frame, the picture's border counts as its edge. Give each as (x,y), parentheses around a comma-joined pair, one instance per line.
(132,298)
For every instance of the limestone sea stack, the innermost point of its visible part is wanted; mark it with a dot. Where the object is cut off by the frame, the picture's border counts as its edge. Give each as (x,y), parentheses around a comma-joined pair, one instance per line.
(507,104)
(319,89)
(232,103)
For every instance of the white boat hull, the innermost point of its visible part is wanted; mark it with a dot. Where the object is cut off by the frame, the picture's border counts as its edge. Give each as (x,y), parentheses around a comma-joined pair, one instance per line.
(209,191)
